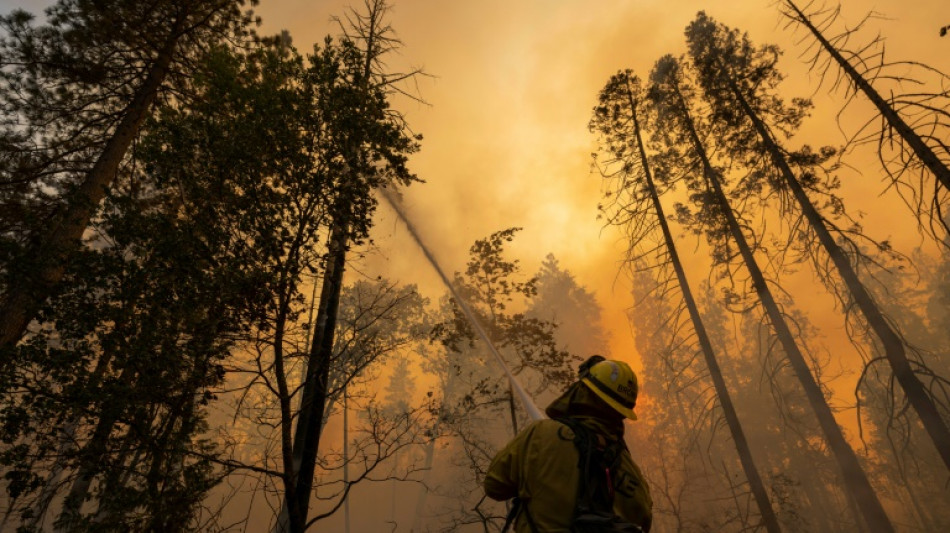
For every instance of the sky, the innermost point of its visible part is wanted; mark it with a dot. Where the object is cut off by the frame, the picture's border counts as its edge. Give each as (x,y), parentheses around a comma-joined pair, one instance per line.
(509,92)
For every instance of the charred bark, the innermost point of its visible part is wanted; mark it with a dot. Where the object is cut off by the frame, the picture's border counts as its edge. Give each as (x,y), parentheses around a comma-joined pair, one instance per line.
(856,481)
(715,372)
(294,512)
(894,347)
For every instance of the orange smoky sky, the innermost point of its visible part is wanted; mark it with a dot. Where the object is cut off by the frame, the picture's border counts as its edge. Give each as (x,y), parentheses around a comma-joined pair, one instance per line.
(508,101)
(508,95)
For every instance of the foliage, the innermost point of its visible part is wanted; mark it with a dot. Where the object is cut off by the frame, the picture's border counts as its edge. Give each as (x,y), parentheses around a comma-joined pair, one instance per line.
(204,243)
(77,92)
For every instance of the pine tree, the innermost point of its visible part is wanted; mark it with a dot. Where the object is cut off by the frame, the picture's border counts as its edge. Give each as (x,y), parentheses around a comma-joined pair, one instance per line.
(76,93)
(618,118)
(723,228)
(785,429)
(132,350)
(739,83)
(913,125)
(561,300)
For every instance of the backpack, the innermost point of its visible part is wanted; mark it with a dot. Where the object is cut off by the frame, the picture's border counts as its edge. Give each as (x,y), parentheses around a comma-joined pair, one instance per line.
(593,508)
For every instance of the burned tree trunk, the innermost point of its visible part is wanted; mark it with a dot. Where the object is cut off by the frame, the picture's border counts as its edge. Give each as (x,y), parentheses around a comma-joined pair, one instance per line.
(758,489)
(293,514)
(855,479)
(894,347)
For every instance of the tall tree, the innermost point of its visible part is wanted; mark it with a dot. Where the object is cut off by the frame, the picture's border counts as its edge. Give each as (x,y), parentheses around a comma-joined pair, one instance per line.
(914,125)
(149,313)
(739,81)
(675,100)
(371,151)
(683,453)
(916,299)
(82,86)
(636,207)
(784,428)
(400,388)
(265,133)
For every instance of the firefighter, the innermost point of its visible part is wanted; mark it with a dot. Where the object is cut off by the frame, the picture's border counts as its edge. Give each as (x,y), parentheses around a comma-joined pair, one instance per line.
(543,468)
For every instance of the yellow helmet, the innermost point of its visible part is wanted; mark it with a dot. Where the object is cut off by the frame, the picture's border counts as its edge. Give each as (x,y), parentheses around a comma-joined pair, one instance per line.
(614,382)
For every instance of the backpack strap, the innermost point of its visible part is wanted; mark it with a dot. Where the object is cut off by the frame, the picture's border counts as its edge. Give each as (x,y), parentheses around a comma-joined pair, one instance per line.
(594,453)
(584,442)
(512,513)
(517,507)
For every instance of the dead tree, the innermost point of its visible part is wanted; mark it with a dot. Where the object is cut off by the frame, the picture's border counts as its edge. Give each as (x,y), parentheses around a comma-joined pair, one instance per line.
(914,125)
(667,80)
(736,78)
(618,118)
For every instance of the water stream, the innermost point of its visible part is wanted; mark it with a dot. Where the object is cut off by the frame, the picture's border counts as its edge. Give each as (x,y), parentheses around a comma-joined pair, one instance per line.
(532,410)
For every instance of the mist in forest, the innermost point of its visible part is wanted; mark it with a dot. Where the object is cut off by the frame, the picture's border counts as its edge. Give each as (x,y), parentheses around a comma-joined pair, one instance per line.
(212,320)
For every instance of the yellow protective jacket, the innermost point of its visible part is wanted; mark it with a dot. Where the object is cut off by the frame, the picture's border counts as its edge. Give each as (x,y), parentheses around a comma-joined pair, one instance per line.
(540,467)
